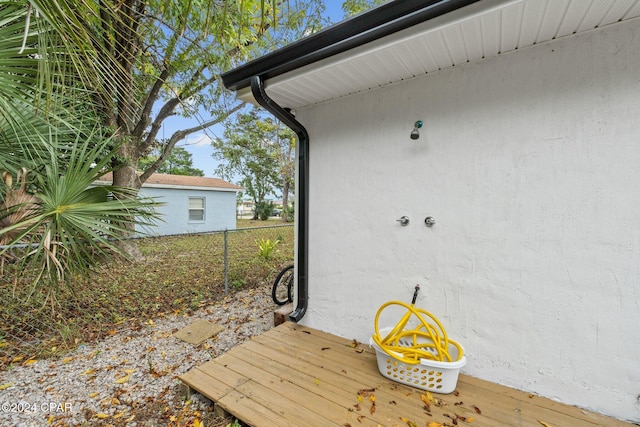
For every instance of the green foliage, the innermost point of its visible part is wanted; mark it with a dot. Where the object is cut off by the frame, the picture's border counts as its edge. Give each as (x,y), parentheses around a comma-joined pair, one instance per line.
(259,152)
(69,225)
(237,283)
(288,213)
(264,210)
(353,7)
(266,248)
(187,46)
(179,162)
(54,224)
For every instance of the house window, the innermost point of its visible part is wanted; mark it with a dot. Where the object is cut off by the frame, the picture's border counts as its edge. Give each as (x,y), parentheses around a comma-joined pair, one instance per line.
(196,208)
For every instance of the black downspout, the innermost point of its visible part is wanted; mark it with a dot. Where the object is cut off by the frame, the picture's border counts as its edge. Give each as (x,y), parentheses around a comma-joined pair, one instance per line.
(257,88)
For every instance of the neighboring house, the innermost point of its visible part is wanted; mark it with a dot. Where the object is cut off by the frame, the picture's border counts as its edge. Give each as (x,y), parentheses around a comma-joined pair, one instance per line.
(528,160)
(246,207)
(190,204)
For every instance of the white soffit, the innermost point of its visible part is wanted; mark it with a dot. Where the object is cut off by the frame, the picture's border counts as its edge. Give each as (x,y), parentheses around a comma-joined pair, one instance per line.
(482,30)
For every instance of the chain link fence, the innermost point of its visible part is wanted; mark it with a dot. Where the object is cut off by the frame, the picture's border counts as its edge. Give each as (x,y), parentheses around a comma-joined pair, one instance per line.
(274,242)
(179,274)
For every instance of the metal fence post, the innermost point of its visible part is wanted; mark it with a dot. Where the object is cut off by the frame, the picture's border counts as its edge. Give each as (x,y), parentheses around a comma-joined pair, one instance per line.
(226,262)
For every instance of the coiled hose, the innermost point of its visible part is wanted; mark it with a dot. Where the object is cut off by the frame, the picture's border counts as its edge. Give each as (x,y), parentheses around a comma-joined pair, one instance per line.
(426,341)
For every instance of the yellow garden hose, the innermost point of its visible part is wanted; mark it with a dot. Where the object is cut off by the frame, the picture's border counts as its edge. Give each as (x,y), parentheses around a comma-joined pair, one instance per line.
(427,340)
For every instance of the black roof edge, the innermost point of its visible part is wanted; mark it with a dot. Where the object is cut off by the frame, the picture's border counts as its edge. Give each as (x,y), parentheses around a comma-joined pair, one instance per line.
(376,23)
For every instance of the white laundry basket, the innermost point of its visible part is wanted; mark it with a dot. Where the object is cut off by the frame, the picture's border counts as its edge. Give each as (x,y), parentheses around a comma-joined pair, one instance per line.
(430,375)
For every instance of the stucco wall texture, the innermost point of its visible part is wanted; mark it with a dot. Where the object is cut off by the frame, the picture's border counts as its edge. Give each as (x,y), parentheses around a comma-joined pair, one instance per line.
(530,164)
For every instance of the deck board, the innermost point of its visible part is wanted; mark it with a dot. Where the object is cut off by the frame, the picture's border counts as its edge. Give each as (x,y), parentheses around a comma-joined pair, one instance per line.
(297,376)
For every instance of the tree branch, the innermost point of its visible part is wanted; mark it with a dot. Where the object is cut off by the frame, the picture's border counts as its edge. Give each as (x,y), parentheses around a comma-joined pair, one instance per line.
(179,136)
(145,114)
(167,110)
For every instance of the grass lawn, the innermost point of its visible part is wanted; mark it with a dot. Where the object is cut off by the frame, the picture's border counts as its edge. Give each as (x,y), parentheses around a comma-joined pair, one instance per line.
(178,275)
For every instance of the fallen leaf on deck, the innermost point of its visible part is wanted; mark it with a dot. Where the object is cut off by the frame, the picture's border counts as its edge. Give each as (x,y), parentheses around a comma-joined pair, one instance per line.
(366,391)
(425,399)
(545,424)
(408,421)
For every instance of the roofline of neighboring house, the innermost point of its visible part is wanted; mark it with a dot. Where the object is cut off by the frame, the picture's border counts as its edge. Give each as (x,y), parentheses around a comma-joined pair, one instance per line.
(374,24)
(229,187)
(190,187)
(180,187)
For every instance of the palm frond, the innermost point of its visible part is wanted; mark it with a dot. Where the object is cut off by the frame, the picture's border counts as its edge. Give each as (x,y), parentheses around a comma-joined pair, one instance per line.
(71,224)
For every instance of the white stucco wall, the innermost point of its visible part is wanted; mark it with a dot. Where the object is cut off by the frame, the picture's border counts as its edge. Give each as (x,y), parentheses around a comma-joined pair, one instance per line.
(530,164)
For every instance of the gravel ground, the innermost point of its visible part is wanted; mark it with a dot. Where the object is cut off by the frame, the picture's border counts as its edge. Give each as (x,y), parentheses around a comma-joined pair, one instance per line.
(130,379)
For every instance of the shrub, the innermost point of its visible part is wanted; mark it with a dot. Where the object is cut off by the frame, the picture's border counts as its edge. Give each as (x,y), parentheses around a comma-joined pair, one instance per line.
(264,209)
(288,213)
(266,248)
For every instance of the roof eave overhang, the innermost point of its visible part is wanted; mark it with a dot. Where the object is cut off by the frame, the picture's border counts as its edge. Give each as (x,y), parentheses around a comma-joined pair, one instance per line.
(379,22)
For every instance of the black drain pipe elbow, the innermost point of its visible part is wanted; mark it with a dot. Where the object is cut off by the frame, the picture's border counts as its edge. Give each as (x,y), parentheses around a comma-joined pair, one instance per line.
(302,264)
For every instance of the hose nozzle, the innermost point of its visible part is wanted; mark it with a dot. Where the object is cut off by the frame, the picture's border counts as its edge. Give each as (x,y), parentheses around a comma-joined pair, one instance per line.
(415,295)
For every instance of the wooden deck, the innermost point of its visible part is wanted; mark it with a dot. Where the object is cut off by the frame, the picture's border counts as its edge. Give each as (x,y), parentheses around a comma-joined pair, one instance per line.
(297,376)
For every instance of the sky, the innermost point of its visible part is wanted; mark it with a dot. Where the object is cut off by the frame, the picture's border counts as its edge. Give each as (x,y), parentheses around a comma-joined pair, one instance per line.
(198,144)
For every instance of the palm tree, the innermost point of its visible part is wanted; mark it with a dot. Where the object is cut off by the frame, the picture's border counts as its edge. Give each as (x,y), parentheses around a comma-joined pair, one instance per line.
(53,223)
